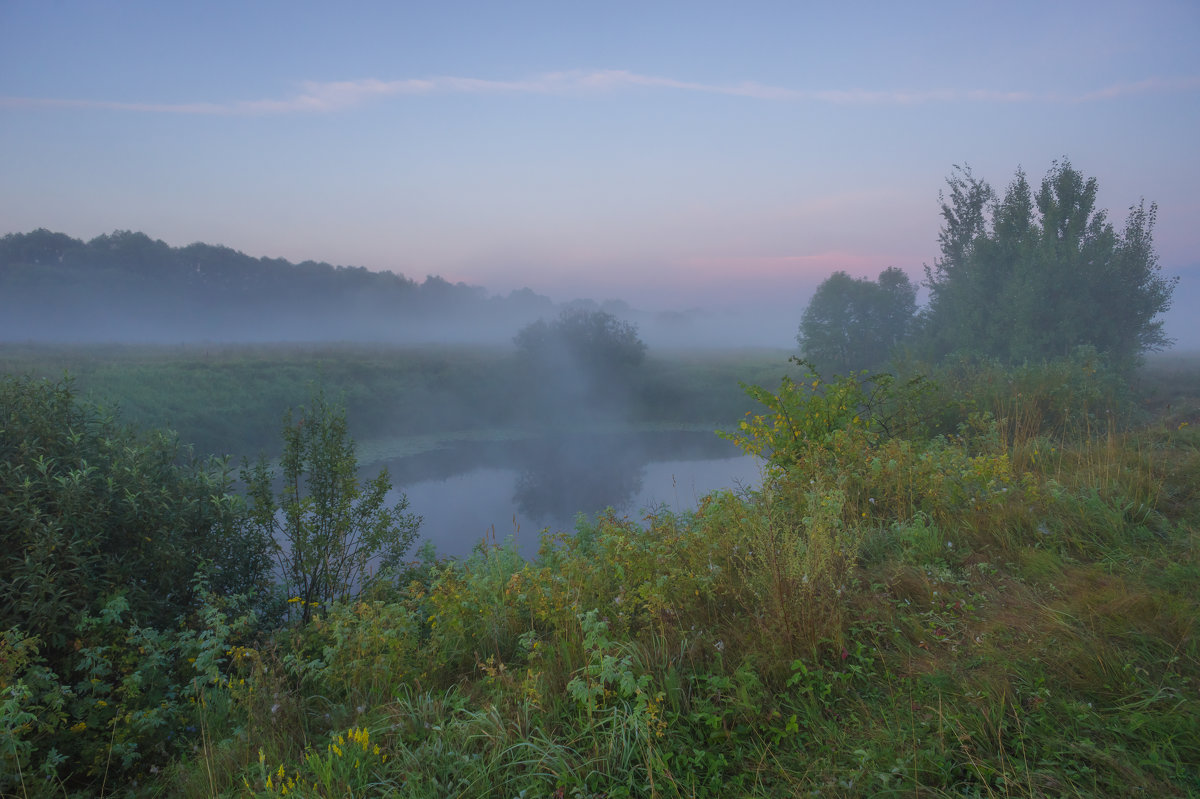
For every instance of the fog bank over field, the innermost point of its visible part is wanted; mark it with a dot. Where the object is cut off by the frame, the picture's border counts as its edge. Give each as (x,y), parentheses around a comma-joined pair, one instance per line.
(127,287)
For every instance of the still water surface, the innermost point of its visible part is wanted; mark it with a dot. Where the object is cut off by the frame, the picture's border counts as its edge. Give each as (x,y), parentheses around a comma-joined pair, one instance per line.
(475,490)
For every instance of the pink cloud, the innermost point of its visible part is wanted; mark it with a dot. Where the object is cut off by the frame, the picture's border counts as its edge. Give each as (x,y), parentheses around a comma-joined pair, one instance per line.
(815,265)
(721,281)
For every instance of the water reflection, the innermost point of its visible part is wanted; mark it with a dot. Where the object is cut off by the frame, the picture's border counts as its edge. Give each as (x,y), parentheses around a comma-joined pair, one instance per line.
(474,490)
(561,477)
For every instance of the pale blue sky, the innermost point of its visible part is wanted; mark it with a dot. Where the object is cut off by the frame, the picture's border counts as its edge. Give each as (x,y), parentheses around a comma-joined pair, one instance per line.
(669,154)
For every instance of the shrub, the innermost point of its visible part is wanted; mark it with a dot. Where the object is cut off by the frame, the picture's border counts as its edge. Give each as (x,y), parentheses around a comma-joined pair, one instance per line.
(331,535)
(114,544)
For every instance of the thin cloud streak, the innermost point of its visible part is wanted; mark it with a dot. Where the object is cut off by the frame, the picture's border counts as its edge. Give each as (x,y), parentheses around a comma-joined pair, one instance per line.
(1148,86)
(334,96)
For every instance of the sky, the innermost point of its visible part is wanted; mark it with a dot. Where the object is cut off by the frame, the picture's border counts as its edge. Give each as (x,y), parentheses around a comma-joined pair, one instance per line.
(672,155)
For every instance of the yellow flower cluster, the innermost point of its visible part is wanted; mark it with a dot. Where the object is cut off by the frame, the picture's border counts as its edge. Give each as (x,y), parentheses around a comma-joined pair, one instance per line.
(655,722)
(349,762)
(360,736)
(277,780)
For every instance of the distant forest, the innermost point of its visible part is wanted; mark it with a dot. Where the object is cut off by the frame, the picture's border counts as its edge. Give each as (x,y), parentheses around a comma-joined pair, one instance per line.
(126,286)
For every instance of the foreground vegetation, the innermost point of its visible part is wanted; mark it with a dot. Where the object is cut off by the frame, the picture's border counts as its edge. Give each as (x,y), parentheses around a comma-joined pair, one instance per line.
(979,583)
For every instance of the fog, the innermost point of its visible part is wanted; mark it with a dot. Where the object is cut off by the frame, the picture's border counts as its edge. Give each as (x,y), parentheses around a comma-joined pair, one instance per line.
(135,315)
(127,287)
(1182,322)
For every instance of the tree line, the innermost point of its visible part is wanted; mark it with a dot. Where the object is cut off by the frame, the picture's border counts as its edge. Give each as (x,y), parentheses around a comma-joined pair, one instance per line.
(128,286)
(1022,276)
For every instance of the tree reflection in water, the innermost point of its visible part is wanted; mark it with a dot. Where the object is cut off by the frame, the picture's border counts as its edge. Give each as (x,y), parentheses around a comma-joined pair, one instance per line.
(563,476)
(470,490)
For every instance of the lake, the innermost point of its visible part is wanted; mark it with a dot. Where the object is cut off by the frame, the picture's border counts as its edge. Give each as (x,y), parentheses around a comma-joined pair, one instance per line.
(473,490)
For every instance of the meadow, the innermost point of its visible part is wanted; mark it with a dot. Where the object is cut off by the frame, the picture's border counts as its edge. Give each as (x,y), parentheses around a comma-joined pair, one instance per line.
(229,399)
(977,582)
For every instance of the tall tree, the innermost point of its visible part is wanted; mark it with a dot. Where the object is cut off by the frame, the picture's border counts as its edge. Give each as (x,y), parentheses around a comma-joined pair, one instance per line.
(1030,276)
(594,340)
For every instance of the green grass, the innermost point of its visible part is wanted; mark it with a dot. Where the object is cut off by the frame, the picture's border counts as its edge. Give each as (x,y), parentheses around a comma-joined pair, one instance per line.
(230,399)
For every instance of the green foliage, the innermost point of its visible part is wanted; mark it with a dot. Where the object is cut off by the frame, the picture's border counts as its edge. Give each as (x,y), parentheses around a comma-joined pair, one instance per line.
(349,764)
(999,601)
(1032,276)
(813,413)
(229,399)
(852,324)
(126,702)
(90,508)
(113,543)
(333,536)
(1077,394)
(967,627)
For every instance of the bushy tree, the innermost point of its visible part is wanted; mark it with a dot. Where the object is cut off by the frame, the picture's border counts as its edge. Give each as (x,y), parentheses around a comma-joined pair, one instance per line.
(1029,276)
(584,358)
(595,339)
(333,536)
(855,323)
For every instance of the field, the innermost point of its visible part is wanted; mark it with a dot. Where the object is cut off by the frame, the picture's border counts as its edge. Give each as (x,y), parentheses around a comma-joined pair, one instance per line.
(982,583)
(230,400)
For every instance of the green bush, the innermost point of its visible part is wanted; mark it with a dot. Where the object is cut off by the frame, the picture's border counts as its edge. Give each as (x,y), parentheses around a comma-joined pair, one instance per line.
(113,547)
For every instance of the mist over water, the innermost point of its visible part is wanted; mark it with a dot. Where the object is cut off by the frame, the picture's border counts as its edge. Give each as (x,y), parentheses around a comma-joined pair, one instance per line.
(471,492)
